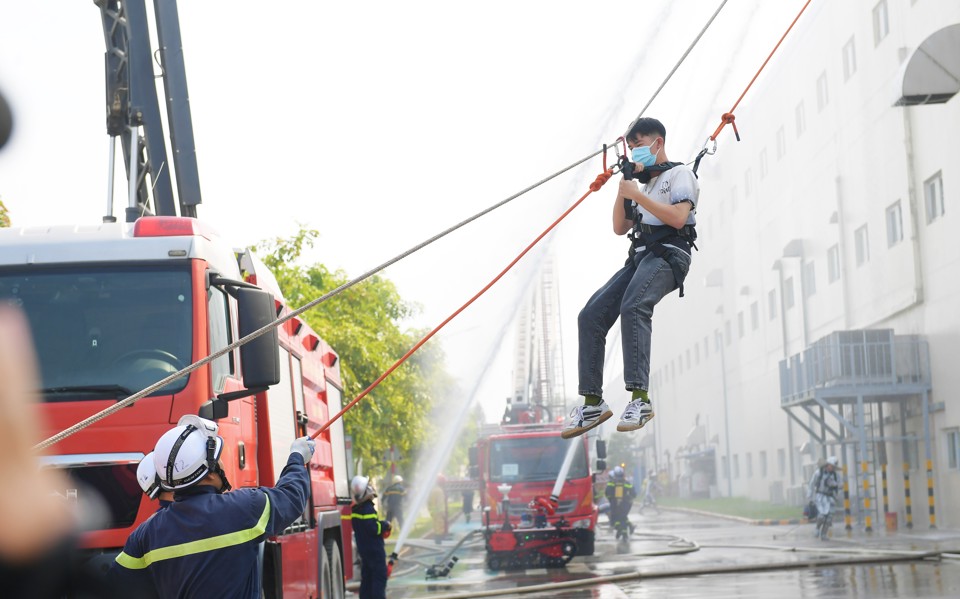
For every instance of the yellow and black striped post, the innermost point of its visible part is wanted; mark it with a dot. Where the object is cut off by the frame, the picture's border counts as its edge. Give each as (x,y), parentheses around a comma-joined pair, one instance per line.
(846,501)
(906,492)
(883,484)
(933,517)
(867,518)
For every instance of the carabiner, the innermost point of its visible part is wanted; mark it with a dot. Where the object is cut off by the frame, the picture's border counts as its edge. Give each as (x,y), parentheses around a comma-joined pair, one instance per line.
(712,150)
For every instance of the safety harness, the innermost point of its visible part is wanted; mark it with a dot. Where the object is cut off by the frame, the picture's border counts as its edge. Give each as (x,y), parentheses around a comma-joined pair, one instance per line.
(655,237)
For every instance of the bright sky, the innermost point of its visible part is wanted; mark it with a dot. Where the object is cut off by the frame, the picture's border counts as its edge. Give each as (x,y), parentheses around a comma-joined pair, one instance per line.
(383,123)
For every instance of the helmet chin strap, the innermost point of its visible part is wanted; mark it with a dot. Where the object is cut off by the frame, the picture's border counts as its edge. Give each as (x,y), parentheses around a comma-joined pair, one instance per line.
(213,465)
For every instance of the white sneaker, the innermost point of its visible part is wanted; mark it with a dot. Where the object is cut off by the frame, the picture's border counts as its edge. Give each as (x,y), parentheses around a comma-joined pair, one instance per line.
(584,418)
(635,415)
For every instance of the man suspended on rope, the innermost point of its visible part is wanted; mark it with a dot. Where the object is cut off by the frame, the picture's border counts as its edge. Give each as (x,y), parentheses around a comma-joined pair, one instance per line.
(208,541)
(659,217)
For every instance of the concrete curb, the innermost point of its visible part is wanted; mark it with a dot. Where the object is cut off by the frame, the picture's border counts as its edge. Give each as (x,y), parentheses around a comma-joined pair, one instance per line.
(751,521)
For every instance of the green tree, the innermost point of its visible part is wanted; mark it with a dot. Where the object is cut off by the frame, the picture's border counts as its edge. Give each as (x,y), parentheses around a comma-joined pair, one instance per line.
(364,325)
(4,215)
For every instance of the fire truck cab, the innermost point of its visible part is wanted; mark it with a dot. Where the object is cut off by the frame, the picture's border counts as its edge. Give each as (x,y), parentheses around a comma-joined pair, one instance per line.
(116,307)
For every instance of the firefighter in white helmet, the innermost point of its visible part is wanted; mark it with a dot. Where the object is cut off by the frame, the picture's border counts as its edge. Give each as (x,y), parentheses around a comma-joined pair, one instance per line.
(150,481)
(370,532)
(206,543)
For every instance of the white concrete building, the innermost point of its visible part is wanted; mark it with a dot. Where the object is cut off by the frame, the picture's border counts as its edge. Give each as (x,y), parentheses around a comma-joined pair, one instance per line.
(836,212)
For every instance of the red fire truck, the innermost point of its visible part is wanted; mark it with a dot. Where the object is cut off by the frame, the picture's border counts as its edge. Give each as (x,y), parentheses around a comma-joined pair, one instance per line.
(532,516)
(117,307)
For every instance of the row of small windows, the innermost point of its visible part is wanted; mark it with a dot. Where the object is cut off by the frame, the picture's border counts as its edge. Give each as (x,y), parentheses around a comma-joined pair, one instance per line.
(881,28)
(748,461)
(934,208)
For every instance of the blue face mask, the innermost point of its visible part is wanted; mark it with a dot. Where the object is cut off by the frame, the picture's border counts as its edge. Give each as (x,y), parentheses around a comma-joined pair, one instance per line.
(642,155)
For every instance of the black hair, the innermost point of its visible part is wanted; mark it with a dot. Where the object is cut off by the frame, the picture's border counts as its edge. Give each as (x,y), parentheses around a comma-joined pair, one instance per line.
(646,126)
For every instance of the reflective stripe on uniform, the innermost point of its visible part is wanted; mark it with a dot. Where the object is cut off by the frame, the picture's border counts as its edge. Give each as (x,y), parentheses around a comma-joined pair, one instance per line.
(198,546)
(373,516)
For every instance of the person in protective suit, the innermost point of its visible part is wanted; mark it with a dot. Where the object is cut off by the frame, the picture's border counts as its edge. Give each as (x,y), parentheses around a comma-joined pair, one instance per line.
(207,542)
(620,493)
(394,496)
(369,531)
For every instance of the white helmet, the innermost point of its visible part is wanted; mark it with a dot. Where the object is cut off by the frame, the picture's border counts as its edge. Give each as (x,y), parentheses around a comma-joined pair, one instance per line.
(397,479)
(617,472)
(147,476)
(361,490)
(833,461)
(187,453)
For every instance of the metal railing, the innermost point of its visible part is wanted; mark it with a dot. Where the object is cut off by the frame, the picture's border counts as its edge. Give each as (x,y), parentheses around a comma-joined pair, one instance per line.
(845,360)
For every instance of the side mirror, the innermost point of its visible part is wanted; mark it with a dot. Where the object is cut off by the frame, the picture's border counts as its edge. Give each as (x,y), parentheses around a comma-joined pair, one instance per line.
(601,449)
(214,409)
(601,465)
(259,359)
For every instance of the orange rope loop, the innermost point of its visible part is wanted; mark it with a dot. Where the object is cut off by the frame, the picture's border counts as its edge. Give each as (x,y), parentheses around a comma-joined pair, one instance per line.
(601,179)
(728,117)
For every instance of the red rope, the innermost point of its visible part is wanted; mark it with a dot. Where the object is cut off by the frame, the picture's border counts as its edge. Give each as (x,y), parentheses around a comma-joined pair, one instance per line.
(728,117)
(595,186)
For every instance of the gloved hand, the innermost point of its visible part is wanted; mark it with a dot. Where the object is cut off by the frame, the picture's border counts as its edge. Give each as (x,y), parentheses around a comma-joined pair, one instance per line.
(305,446)
(387,529)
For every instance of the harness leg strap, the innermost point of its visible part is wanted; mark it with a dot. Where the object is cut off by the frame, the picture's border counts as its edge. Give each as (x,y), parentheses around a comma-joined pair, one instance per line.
(664,254)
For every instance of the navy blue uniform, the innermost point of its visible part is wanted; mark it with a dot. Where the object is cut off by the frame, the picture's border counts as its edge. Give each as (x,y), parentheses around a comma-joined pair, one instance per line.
(206,544)
(368,530)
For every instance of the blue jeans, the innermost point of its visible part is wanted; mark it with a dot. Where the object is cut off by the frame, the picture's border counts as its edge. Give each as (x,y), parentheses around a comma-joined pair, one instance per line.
(629,295)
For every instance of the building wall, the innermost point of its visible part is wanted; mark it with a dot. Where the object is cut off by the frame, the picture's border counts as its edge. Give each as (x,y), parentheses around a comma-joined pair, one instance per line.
(824,155)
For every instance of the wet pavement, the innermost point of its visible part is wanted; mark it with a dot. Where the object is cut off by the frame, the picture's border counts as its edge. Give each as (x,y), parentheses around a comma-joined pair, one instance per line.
(680,555)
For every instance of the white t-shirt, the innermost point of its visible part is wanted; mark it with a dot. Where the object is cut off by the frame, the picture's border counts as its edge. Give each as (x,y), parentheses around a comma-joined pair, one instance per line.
(671,187)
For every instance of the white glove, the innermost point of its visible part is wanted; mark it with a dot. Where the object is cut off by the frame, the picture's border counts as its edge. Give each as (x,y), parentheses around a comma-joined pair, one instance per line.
(305,446)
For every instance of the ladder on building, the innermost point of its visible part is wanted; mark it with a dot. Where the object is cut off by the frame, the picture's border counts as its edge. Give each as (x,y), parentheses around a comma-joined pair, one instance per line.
(865,466)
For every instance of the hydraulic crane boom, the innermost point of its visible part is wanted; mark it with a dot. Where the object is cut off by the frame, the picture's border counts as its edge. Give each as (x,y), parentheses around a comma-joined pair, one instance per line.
(133,111)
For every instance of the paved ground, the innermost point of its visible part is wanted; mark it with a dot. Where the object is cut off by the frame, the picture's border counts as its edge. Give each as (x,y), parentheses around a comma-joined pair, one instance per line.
(679,555)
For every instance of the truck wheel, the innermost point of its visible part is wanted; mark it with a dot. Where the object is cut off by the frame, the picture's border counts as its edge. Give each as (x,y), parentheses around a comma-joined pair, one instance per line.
(336,569)
(324,584)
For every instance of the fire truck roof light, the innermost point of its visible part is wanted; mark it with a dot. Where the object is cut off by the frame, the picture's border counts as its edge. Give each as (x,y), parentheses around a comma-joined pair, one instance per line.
(169,226)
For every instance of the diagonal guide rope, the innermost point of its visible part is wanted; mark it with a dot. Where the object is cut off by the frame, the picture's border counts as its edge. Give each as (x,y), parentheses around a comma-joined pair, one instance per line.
(595,186)
(263,330)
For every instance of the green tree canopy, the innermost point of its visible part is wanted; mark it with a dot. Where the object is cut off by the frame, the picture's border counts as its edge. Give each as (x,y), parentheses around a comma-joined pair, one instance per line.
(4,215)
(364,325)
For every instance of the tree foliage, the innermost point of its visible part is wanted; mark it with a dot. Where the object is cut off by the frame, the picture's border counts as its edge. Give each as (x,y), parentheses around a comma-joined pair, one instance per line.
(364,325)
(4,215)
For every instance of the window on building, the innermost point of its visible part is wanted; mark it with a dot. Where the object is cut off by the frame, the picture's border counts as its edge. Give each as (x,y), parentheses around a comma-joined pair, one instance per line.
(894,224)
(801,119)
(772,303)
(953,449)
(881,23)
(833,263)
(809,279)
(933,197)
(823,95)
(788,293)
(863,245)
(781,143)
(782,462)
(740,324)
(736,466)
(763,163)
(749,465)
(755,315)
(849,59)
(763,464)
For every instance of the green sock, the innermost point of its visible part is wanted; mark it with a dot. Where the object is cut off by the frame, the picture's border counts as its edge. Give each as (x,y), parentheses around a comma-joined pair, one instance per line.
(641,394)
(592,400)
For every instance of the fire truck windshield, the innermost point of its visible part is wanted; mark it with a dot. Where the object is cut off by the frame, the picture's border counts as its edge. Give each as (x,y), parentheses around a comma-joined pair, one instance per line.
(105,331)
(533,459)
